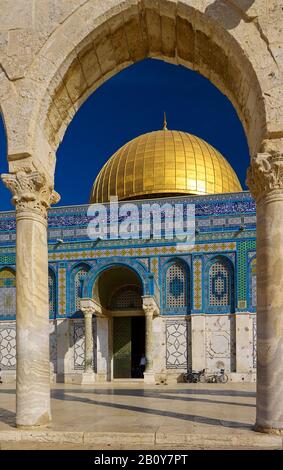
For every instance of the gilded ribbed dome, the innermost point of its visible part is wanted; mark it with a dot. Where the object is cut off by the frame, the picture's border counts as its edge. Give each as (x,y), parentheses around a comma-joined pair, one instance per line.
(164,163)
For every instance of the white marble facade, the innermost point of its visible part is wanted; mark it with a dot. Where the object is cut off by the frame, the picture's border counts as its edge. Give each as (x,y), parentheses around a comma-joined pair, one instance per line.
(192,342)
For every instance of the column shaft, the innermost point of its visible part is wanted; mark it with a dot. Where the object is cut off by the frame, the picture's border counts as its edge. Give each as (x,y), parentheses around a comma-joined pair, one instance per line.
(265,179)
(33,369)
(148,341)
(88,343)
(269,416)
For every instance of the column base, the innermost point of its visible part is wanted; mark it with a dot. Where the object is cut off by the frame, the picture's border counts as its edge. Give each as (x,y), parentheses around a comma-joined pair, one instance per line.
(268,430)
(149,377)
(42,422)
(88,378)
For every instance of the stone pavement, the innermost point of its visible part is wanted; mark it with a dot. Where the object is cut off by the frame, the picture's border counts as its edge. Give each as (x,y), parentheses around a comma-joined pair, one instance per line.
(125,415)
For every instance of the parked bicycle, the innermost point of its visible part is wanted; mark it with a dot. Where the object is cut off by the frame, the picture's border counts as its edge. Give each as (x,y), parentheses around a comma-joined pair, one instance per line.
(201,376)
(194,377)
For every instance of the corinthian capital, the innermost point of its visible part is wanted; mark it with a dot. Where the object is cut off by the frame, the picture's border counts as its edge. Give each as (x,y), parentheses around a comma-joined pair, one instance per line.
(30,191)
(149,305)
(265,175)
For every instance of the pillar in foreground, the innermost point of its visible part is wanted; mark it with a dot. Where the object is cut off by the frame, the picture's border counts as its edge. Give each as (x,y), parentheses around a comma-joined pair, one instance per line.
(265,180)
(151,309)
(32,196)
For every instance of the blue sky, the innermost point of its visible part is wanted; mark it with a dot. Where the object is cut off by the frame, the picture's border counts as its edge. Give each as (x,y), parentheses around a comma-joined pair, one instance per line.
(132,103)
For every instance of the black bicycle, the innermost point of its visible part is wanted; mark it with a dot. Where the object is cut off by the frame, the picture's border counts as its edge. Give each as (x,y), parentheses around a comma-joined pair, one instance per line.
(201,376)
(194,377)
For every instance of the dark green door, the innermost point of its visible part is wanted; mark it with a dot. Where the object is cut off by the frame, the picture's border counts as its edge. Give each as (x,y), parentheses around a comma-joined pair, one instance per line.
(122,348)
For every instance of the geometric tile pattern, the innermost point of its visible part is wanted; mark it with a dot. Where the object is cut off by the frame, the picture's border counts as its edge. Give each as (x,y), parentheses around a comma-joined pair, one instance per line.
(176,344)
(155,251)
(176,288)
(126,298)
(242,264)
(219,288)
(8,347)
(79,280)
(7,293)
(197,270)
(154,268)
(62,289)
(52,293)
(79,344)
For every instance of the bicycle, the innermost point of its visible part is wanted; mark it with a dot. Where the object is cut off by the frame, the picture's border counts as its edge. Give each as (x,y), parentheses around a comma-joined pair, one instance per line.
(201,376)
(218,377)
(193,376)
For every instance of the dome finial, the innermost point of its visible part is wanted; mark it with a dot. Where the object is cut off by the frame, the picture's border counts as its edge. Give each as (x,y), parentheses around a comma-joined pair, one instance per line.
(165,123)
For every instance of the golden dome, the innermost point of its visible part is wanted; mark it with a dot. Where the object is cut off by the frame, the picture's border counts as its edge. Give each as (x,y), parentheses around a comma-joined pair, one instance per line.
(164,163)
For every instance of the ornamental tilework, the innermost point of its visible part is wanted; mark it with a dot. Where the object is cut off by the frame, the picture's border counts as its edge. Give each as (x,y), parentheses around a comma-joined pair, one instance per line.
(154,268)
(62,290)
(79,344)
(52,293)
(243,248)
(136,252)
(7,293)
(79,281)
(176,286)
(176,344)
(219,284)
(8,347)
(197,273)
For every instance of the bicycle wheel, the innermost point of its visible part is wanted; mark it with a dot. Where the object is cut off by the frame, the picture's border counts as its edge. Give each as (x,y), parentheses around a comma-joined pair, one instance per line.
(187,378)
(223,379)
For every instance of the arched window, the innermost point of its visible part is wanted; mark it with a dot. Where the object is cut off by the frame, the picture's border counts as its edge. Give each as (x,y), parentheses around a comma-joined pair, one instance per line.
(220,285)
(126,298)
(52,293)
(7,293)
(78,281)
(252,281)
(176,286)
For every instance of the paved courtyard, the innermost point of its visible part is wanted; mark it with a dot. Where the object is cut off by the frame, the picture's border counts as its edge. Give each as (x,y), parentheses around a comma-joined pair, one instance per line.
(138,416)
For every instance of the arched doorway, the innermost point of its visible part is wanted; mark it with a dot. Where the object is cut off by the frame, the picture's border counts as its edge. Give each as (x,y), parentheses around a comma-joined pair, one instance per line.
(119,291)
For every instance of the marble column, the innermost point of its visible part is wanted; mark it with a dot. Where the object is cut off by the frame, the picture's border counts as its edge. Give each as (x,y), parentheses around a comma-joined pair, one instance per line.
(265,180)
(32,196)
(150,309)
(89,307)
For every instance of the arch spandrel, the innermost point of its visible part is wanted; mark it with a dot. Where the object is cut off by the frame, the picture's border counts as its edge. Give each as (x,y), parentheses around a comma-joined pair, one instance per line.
(231,43)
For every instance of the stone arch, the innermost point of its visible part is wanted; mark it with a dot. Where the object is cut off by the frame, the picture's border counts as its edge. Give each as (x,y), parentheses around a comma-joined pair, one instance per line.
(133,265)
(96,41)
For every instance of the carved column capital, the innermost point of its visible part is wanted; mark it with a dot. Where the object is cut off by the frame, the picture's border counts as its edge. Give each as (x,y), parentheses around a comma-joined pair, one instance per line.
(149,306)
(90,307)
(31,191)
(265,175)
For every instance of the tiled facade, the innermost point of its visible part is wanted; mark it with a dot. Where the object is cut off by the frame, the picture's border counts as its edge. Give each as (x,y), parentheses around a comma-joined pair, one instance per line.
(216,278)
